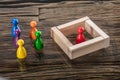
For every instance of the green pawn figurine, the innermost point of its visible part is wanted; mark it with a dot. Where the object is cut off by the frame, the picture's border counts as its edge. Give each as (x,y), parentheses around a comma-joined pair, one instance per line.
(38,43)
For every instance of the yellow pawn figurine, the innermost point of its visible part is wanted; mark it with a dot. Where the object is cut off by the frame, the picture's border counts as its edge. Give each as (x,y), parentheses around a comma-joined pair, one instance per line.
(21,51)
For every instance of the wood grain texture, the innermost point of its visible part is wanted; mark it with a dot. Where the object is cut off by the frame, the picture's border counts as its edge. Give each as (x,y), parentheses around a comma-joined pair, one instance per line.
(54,65)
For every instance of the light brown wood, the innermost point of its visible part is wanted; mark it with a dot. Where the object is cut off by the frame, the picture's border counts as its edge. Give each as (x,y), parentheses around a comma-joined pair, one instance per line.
(100,39)
(96,28)
(86,47)
(61,40)
(90,30)
(97,31)
(71,27)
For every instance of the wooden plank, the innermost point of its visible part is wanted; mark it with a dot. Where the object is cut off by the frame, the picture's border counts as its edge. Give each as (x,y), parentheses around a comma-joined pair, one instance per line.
(86,47)
(72,23)
(71,27)
(90,30)
(19,11)
(97,30)
(61,40)
(22,19)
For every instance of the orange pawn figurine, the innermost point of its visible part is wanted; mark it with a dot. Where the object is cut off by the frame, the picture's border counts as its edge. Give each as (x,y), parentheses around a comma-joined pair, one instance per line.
(33,25)
(80,37)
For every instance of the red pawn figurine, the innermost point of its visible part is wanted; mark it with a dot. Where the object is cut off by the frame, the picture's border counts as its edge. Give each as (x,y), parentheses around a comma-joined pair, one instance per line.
(80,37)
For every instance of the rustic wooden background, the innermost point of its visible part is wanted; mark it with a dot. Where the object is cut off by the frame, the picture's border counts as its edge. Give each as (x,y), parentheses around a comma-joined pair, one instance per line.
(54,64)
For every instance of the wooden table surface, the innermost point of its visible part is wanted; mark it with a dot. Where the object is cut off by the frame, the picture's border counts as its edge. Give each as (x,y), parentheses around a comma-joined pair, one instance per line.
(54,64)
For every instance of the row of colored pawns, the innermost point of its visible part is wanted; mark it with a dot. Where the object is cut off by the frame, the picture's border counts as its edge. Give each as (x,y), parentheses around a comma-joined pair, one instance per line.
(34,34)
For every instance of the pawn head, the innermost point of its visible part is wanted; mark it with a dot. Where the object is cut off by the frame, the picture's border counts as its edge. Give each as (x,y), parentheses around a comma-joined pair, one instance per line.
(20,42)
(80,29)
(37,33)
(33,24)
(14,21)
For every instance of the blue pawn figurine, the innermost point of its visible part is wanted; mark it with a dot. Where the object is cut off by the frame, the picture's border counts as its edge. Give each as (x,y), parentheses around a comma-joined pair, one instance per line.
(17,37)
(14,27)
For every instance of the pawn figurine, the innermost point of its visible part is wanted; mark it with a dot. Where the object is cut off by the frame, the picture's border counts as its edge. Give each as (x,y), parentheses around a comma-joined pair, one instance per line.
(33,25)
(80,37)
(21,51)
(14,27)
(17,32)
(38,43)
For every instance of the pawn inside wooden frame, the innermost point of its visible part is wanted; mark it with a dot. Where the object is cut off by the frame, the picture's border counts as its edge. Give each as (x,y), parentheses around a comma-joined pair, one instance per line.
(100,39)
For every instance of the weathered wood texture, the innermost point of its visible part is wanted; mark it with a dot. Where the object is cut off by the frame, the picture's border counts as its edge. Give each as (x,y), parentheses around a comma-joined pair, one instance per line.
(100,65)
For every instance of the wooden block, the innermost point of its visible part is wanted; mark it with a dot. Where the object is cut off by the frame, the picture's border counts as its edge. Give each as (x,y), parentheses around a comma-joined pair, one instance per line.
(60,39)
(86,47)
(97,31)
(100,39)
(71,27)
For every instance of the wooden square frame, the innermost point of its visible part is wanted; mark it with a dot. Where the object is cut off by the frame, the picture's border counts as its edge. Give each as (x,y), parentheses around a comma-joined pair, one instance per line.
(100,39)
